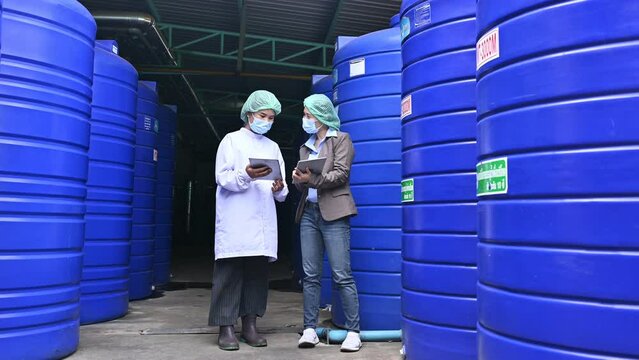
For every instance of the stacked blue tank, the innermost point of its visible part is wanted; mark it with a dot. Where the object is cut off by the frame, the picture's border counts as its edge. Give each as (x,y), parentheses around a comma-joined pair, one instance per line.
(558,132)
(439,302)
(144,188)
(367,91)
(167,116)
(46,71)
(323,84)
(105,277)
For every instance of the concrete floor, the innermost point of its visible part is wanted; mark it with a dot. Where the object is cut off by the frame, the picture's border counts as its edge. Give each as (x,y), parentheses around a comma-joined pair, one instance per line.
(173,326)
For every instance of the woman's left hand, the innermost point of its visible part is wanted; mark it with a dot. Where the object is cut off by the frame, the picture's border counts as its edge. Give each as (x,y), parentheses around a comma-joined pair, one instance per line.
(278,185)
(302,177)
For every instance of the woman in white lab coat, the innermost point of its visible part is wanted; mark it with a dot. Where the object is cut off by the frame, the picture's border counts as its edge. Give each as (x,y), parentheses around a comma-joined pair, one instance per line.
(245,223)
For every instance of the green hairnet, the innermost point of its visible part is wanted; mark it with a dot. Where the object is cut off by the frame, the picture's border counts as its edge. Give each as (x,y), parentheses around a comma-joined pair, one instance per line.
(322,108)
(260,100)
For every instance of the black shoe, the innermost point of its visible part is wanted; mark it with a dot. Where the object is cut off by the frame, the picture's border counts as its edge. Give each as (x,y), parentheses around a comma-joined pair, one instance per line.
(249,332)
(227,340)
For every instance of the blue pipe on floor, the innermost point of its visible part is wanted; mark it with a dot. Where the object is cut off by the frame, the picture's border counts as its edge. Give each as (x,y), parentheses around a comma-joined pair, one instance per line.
(336,336)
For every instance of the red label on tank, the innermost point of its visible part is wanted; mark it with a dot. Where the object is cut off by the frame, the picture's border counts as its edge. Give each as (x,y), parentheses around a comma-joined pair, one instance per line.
(488,48)
(407,106)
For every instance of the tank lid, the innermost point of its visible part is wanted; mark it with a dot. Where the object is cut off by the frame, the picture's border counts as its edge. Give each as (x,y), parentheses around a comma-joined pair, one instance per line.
(387,40)
(318,78)
(408,4)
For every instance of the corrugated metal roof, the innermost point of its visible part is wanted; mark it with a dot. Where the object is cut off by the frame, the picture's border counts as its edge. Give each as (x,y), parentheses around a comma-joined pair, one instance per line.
(305,20)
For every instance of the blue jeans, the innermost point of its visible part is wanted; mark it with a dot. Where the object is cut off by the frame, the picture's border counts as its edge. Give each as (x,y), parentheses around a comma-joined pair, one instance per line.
(335,237)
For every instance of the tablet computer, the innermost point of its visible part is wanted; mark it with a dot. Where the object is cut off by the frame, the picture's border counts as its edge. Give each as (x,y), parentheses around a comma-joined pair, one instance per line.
(316,165)
(274,164)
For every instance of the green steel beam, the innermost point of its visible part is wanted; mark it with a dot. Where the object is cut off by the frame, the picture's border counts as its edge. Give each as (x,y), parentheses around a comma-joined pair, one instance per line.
(196,41)
(331,27)
(248,36)
(259,61)
(241,4)
(252,46)
(154,10)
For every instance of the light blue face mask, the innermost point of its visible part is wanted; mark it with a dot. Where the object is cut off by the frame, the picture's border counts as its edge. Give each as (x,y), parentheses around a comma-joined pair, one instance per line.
(260,126)
(309,126)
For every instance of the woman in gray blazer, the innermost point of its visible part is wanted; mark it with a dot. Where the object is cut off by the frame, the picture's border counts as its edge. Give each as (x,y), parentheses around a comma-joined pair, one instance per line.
(324,216)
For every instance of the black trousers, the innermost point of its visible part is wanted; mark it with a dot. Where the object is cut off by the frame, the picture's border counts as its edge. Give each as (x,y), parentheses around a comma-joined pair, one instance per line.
(240,287)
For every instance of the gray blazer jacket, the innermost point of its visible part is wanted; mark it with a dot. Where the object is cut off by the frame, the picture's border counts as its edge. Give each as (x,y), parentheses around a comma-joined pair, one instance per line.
(333,189)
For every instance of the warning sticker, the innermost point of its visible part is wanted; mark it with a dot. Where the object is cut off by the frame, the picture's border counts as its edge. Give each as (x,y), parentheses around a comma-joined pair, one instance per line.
(488,48)
(115,49)
(492,177)
(408,190)
(358,67)
(155,155)
(147,123)
(423,15)
(407,106)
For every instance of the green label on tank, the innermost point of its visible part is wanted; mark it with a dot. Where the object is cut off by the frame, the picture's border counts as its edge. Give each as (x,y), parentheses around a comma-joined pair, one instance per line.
(408,190)
(492,177)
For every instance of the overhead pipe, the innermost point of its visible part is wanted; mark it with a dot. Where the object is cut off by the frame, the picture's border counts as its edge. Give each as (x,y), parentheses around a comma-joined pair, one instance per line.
(144,26)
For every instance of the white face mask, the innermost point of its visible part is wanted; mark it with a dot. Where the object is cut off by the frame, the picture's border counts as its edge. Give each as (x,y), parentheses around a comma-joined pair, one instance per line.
(260,126)
(309,126)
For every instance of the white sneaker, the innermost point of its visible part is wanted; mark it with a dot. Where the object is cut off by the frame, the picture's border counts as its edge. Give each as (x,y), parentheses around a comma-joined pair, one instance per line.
(309,339)
(352,343)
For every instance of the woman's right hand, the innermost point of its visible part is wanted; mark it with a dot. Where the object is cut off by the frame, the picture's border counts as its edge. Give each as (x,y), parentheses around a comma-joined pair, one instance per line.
(256,173)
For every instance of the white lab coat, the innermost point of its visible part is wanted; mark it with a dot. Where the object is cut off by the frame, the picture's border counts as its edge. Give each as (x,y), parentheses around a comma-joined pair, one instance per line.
(245,215)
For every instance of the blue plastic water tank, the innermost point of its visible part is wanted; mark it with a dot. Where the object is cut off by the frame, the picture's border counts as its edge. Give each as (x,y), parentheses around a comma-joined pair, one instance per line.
(367,92)
(439,299)
(144,193)
(167,115)
(394,21)
(46,71)
(323,84)
(559,250)
(105,277)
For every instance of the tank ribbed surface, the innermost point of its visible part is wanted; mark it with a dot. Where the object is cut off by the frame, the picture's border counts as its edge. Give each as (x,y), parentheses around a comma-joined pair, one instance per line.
(367,91)
(144,193)
(439,299)
(164,201)
(105,277)
(559,237)
(46,71)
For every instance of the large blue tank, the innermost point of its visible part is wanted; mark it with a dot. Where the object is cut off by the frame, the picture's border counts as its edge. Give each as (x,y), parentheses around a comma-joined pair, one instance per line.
(46,71)
(167,116)
(323,84)
(439,304)
(559,250)
(105,277)
(144,193)
(367,92)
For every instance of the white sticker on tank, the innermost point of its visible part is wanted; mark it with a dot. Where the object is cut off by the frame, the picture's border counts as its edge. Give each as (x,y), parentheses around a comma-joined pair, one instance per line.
(358,67)
(407,106)
(147,123)
(115,49)
(155,155)
(488,48)
(422,15)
